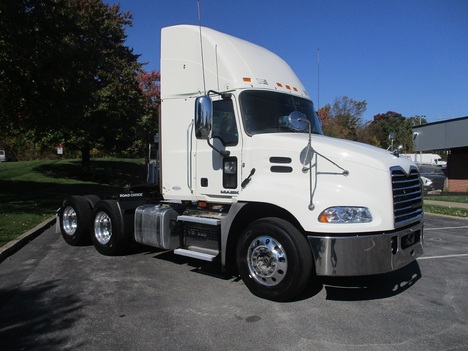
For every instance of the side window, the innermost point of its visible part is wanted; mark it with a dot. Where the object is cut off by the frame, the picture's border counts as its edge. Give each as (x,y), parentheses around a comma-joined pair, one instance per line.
(224,123)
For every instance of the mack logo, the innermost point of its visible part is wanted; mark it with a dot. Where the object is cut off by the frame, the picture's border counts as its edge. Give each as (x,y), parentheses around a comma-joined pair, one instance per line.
(230,192)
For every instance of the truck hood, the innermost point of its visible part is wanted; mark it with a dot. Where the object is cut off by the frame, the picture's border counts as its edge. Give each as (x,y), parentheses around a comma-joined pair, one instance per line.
(344,153)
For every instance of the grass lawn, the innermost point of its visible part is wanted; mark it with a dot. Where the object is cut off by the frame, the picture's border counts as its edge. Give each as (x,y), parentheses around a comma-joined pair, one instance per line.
(32,191)
(449,198)
(447,210)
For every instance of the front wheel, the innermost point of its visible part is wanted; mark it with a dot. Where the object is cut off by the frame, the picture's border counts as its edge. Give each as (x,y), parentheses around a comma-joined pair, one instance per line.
(109,236)
(274,259)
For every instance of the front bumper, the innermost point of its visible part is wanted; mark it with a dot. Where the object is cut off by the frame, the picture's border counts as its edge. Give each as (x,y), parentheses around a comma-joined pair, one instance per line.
(366,254)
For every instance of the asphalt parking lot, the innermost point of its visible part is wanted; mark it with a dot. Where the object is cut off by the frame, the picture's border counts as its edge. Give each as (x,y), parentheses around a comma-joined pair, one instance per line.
(57,297)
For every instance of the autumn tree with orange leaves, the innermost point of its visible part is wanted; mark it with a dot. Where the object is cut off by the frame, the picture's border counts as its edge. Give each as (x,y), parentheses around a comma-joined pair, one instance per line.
(148,123)
(343,119)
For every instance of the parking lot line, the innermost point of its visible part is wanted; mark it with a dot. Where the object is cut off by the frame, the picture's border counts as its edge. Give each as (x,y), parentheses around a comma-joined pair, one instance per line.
(443,228)
(443,256)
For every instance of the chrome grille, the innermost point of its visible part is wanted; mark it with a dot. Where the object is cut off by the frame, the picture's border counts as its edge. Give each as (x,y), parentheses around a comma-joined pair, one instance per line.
(407,196)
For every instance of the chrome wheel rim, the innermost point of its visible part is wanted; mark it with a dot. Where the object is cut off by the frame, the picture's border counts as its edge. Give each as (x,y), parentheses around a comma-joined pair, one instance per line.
(102,228)
(69,220)
(267,261)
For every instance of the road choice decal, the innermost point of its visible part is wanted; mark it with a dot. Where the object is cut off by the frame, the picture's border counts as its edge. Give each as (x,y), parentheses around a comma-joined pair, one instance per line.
(130,195)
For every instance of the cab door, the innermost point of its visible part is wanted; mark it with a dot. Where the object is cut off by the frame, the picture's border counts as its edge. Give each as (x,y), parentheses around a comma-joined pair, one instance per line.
(217,167)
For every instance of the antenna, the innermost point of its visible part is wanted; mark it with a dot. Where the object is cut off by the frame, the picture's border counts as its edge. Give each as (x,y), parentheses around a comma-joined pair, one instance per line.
(217,66)
(318,79)
(201,48)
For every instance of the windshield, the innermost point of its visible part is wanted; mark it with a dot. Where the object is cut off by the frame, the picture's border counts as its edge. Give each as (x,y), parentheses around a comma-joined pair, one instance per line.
(267,112)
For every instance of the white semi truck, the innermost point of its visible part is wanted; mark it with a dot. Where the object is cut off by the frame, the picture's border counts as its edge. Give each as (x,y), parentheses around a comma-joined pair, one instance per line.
(247,179)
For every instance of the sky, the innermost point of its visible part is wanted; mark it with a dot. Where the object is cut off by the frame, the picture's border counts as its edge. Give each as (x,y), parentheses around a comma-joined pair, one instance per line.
(405,56)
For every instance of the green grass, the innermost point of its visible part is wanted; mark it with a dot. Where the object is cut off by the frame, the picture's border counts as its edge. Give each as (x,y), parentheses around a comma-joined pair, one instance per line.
(32,191)
(445,210)
(449,198)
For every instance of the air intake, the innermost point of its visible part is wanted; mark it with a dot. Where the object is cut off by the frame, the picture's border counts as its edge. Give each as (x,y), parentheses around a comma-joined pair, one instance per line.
(407,196)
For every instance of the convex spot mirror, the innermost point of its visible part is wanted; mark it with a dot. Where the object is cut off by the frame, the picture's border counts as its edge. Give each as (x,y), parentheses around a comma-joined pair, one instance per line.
(203,117)
(298,121)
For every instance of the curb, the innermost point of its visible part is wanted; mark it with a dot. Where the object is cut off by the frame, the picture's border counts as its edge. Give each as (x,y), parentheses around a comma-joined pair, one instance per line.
(13,246)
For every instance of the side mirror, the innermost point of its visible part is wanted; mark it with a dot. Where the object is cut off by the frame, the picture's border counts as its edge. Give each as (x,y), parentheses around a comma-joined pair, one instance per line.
(298,121)
(203,117)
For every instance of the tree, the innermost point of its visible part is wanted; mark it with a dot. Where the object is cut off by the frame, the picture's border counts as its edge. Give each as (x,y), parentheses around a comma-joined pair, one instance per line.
(66,75)
(377,132)
(324,113)
(343,119)
(149,84)
(417,120)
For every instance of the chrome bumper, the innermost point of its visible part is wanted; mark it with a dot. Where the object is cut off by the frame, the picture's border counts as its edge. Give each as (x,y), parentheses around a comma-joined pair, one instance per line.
(366,254)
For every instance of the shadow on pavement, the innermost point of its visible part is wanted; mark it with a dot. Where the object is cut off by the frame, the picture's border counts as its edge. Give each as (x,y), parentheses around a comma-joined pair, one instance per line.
(35,315)
(359,288)
(372,287)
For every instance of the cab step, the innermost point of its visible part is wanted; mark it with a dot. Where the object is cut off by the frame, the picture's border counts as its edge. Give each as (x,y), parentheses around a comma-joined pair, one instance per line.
(204,256)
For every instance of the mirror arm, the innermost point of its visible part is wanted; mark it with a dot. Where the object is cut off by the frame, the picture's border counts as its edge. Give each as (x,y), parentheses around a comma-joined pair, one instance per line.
(223,153)
(223,95)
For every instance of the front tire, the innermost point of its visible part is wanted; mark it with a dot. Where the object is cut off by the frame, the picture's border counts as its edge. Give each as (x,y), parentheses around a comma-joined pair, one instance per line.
(108,234)
(75,221)
(274,259)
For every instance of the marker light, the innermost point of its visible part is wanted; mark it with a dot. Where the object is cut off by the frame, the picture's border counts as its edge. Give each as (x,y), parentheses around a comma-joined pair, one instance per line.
(345,214)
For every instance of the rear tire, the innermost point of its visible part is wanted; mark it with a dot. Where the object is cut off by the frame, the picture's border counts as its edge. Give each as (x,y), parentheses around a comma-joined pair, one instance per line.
(92,200)
(75,221)
(274,259)
(108,234)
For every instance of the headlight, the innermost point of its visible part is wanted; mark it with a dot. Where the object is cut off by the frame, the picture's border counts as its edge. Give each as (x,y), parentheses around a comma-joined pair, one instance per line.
(345,214)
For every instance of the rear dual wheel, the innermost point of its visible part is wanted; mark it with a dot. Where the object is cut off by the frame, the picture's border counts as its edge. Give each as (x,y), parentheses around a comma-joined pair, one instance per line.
(108,234)
(75,219)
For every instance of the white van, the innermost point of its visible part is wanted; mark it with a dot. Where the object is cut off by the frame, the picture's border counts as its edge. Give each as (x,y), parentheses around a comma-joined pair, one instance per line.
(2,156)
(426,159)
